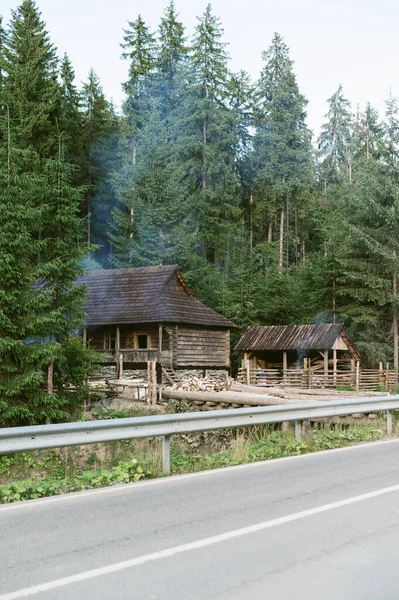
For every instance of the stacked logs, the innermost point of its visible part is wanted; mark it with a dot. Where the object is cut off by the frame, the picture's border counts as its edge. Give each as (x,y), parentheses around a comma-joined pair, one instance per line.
(197,384)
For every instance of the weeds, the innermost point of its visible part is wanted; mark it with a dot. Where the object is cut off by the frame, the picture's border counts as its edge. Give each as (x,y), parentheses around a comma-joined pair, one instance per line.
(52,472)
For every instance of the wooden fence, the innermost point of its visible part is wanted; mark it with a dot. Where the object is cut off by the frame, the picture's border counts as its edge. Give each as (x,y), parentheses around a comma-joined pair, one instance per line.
(358,379)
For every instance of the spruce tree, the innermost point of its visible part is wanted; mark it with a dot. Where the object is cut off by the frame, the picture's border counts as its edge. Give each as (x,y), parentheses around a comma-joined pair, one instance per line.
(31,88)
(140,49)
(23,359)
(61,299)
(70,120)
(99,127)
(282,150)
(207,126)
(172,54)
(334,142)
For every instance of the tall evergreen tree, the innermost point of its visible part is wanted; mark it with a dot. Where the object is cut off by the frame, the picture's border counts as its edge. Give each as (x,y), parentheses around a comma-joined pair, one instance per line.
(70,120)
(99,126)
(31,88)
(23,359)
(207,126)
(335,140)
(282,150)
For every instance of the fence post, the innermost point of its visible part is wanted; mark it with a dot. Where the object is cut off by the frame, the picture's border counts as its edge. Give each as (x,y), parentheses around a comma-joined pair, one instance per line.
(298,426)
(166,454)
(285,366)
(357,375)
(334,368)
(247,371)
(387,377)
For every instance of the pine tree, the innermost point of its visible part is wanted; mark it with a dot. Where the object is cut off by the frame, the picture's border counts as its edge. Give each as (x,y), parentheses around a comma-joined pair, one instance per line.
(23,359)
(334,142)
(369,135)
(31,86)
(61,299)
(99,126)
(282,151)
(2,73)
(207,126)
(70,121)
(172,54)
(140,49)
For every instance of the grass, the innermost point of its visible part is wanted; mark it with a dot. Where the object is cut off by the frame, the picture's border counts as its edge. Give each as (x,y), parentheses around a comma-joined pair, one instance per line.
(36,474)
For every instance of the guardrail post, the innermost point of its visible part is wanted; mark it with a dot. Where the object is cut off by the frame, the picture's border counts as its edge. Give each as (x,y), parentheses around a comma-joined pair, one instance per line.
(389,422)
(166,454)
(298,427)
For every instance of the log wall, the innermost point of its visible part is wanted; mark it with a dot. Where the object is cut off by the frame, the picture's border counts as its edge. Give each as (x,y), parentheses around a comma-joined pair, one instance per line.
(195,347)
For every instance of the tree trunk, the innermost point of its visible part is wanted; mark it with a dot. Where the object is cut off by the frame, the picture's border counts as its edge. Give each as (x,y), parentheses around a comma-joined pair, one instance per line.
(270,232)
(281,249)
(251,228)
(204,156)
(287,234)
(395,319)
(50,377)
(88,221)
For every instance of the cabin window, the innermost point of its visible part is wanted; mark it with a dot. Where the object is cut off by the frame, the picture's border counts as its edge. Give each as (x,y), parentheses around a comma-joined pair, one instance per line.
(109,341)
(142,341)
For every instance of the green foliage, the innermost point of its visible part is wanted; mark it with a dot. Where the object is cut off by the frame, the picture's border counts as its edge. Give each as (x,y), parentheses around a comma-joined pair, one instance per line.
(125,472)
(31,89)
(203,168)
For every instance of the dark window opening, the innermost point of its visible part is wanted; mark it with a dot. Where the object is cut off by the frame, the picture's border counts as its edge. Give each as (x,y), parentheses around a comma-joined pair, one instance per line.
(142,341)
(109,341)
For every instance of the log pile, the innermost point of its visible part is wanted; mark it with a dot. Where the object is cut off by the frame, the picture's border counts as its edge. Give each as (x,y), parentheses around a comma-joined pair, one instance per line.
(197,384)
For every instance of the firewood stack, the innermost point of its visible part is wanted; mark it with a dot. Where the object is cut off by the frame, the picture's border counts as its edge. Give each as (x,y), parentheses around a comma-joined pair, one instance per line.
(197,384)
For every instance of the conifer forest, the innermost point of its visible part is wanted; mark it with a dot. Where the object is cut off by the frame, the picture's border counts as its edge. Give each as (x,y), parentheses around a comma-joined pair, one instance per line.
(200,167)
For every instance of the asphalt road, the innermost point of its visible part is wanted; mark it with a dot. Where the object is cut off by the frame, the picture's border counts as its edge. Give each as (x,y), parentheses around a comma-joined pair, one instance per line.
(320,526)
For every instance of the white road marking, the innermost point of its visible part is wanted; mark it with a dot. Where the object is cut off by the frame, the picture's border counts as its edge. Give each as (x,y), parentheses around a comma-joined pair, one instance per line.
(139,485)
(209,541)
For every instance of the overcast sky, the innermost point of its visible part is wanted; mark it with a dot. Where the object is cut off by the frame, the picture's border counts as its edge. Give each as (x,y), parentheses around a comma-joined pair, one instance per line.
(352,42)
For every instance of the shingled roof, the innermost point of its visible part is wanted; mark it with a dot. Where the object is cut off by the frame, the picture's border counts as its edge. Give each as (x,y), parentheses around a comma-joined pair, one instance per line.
(293,337)
(145,295)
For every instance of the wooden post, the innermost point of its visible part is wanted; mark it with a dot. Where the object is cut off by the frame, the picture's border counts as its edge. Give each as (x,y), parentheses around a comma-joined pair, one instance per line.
(335,367)
(152,382)
(50,377)
(149,383)
(285,364)
(118,339)
(160,340)
(117,355)
(325,368)
(309,374)
(387,377)
(357,375)
(381,378)
(353,372)
(120,365)
(246,364)
(85,337)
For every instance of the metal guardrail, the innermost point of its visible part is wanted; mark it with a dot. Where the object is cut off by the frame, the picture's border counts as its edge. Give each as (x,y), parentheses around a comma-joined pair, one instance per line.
(40,437)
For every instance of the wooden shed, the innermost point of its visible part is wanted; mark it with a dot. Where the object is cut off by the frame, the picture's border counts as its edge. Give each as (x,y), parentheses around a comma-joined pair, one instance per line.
(144,314)
(298,346)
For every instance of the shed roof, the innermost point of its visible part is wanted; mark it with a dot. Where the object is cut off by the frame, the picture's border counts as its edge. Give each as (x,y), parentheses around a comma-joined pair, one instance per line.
(293,337)
(145,295)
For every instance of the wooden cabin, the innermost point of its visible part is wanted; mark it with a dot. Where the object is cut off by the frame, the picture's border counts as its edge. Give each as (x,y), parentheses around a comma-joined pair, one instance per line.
(321,346)
(137,315)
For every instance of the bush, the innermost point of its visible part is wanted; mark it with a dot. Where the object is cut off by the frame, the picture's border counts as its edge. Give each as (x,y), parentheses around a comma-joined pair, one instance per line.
(124,472)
